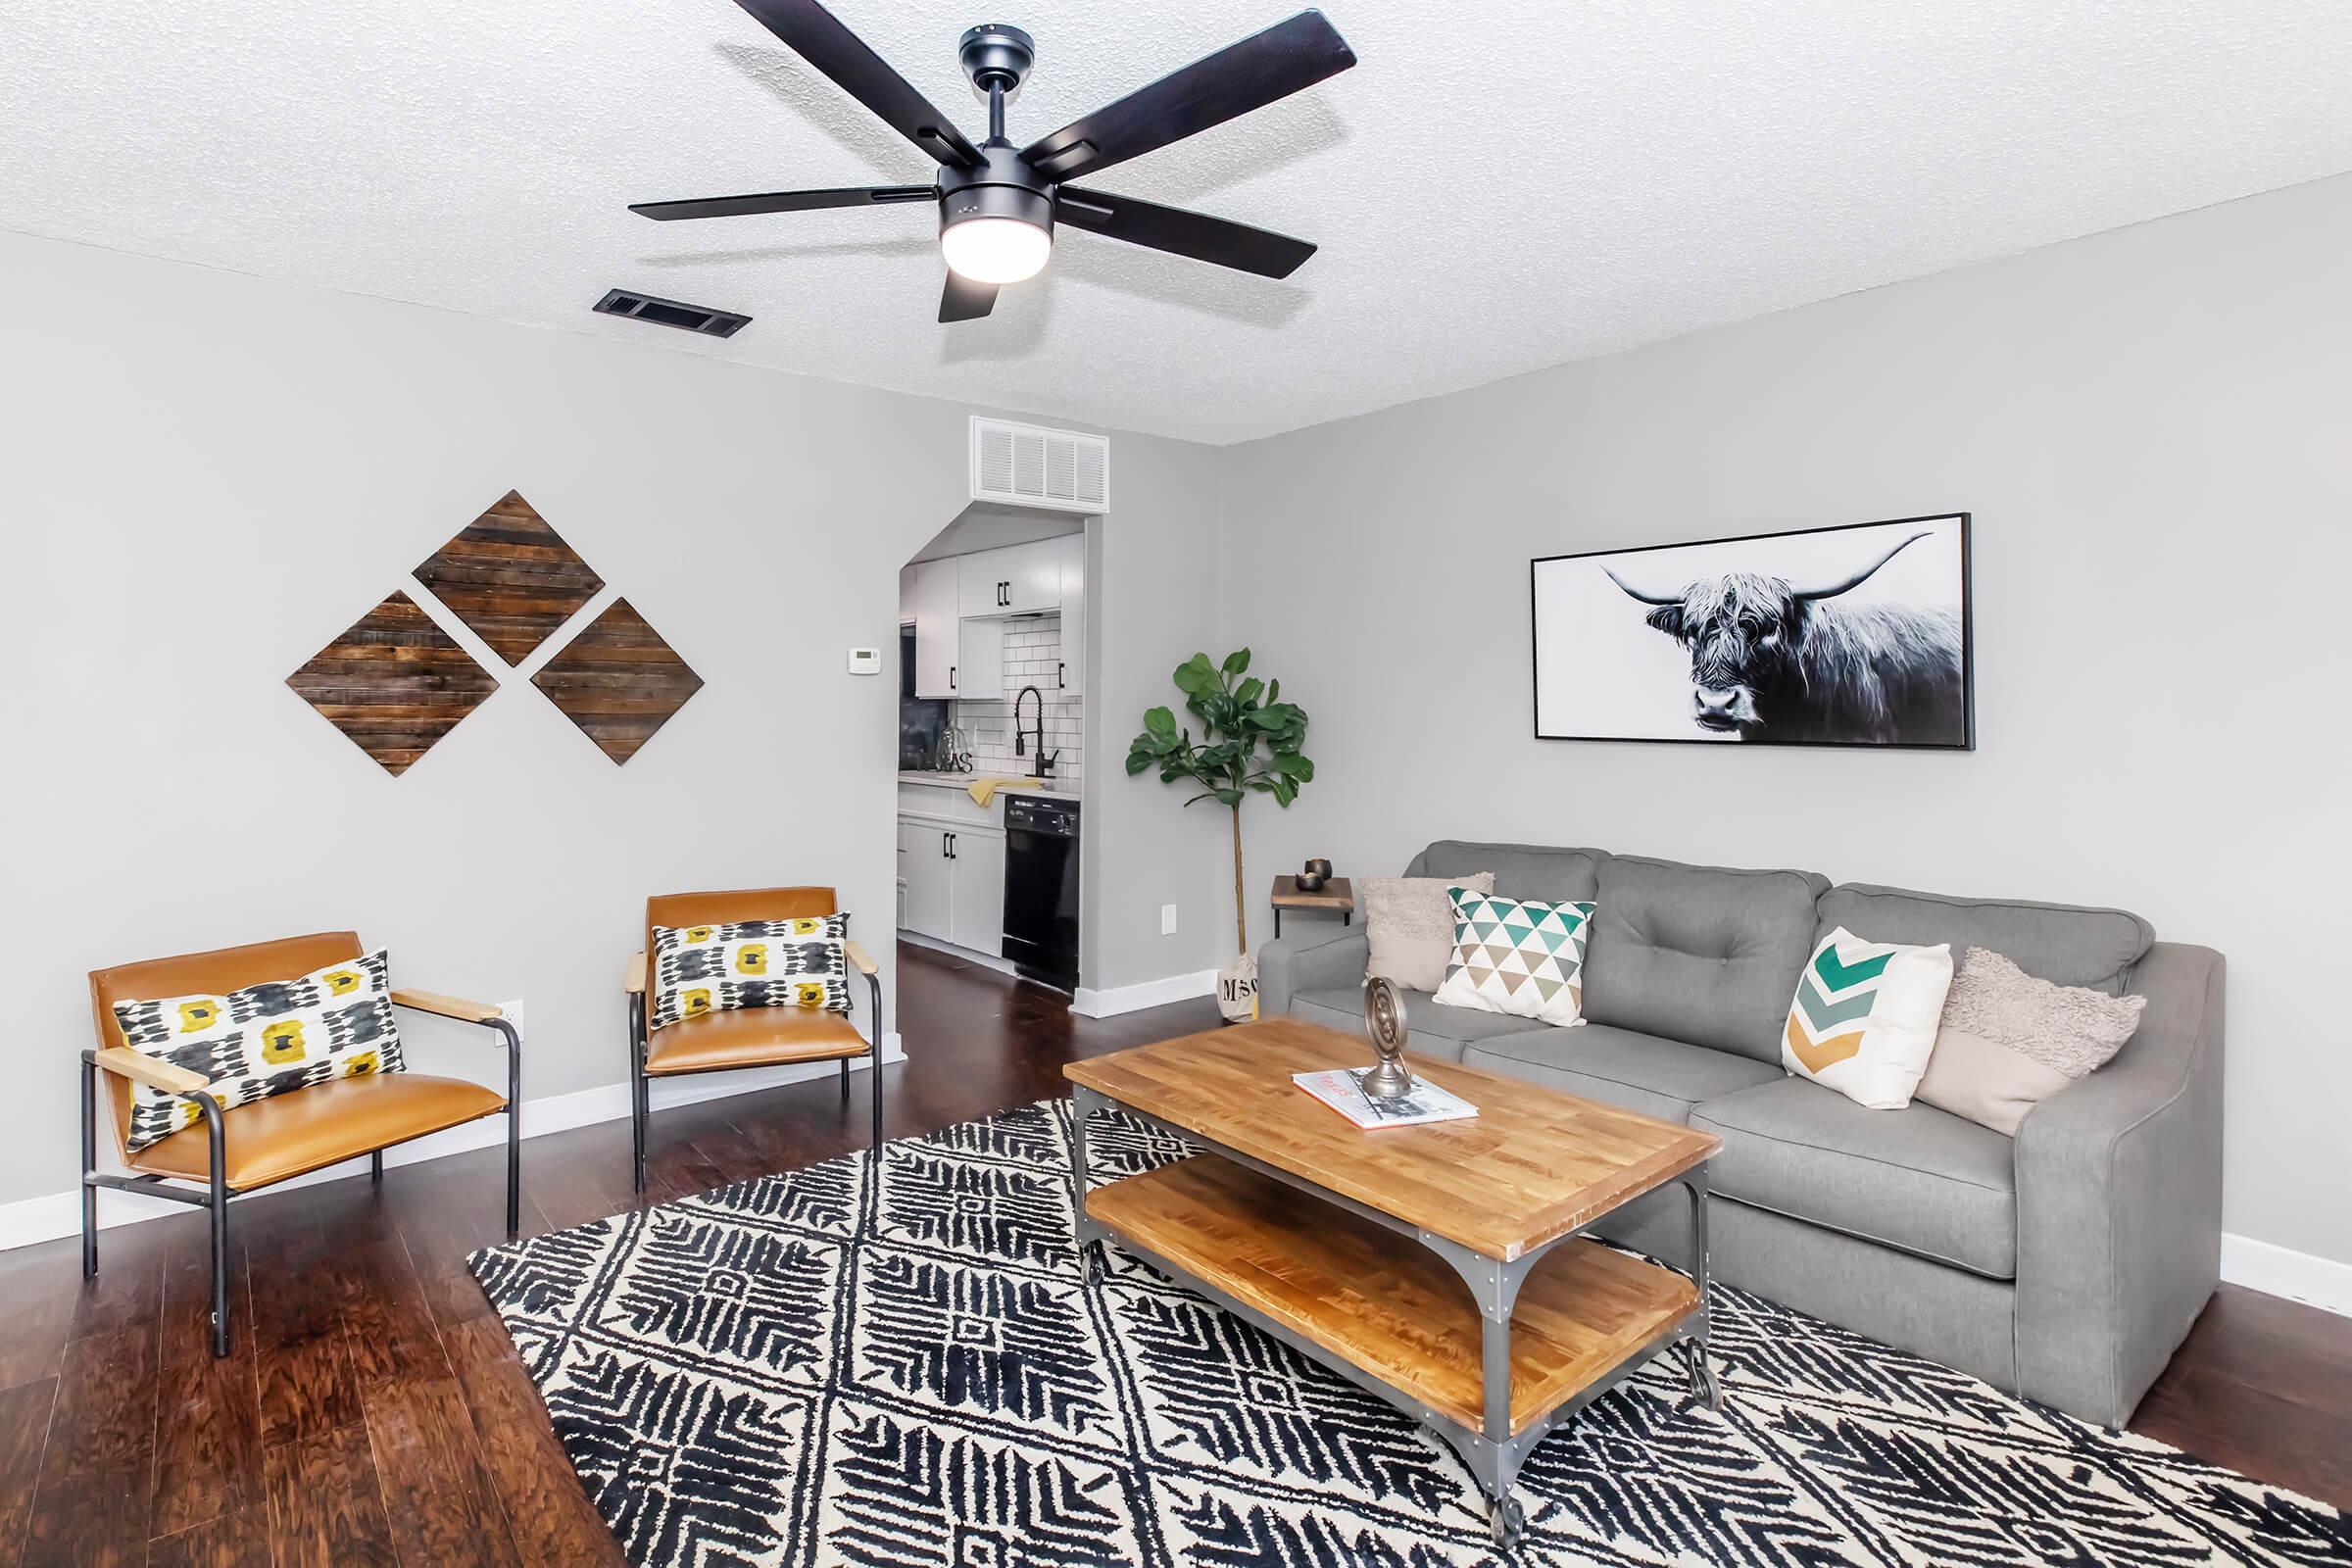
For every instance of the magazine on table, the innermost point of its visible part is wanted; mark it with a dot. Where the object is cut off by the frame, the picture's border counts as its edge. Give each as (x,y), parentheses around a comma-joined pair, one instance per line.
(1342,1090)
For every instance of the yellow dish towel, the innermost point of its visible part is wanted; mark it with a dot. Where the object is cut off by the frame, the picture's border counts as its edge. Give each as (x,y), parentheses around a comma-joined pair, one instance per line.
(984,790)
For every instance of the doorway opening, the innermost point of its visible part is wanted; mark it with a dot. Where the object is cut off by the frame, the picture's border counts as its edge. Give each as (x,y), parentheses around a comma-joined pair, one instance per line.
(991,767)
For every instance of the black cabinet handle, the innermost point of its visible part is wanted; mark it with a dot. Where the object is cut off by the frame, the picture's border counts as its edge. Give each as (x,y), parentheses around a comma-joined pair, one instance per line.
(948,845)
(1061,676)
(951,677)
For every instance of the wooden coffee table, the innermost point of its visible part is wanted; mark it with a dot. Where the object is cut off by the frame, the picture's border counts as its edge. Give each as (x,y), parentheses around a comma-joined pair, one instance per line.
(1354,1247)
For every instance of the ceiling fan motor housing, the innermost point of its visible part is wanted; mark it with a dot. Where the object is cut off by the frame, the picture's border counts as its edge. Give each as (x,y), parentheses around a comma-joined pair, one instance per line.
(1002,186)
(997,55)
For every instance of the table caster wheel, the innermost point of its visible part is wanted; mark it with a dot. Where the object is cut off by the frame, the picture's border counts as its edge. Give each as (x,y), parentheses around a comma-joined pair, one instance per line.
(1093,1252)
(1704,1388)
(1509,1521)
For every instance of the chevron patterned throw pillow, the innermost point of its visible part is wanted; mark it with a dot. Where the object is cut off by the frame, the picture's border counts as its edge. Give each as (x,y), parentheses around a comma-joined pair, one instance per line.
(1864,1019)
(1518,957)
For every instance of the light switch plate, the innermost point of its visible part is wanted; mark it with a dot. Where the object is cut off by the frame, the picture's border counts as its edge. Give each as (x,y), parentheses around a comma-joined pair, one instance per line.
(866,661)
(1168,919)
(514,1011)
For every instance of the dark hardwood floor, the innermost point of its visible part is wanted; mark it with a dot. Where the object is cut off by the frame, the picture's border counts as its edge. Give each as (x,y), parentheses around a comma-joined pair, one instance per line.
(375,1413)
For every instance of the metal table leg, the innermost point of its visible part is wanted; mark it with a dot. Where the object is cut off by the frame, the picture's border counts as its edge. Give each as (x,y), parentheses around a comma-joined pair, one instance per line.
(1704,1389)
(1084,1103)
(1492,1455)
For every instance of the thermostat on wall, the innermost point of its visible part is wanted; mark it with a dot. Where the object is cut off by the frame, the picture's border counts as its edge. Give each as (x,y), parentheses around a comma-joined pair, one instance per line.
(866,661)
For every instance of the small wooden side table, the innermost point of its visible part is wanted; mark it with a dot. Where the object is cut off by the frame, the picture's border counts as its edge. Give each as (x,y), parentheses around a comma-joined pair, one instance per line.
(1338,894)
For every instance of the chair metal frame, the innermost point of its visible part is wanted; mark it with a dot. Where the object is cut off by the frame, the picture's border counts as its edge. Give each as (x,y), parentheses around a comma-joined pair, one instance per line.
(215,1194)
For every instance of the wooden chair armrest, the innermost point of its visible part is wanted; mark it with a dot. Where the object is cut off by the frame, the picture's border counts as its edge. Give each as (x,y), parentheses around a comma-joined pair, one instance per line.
(446,1007)
(860,959)
(636,985)
(153,1071)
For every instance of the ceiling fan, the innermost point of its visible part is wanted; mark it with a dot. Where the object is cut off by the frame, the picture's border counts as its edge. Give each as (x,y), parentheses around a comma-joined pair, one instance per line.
(997,203)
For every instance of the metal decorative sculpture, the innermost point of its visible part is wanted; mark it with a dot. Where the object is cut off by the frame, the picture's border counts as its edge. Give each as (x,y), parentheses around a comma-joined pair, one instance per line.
(1383,1021)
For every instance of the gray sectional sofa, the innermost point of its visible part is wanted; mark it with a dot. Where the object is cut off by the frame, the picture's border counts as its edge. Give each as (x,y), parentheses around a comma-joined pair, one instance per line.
(2065,1264)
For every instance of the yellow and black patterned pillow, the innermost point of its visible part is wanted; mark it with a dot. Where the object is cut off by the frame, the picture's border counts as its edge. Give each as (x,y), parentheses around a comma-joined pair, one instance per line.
(751,964)
(265,1039)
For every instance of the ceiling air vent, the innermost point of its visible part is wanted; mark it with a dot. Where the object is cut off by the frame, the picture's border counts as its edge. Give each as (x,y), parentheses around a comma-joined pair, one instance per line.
(671,313)
(1029,466)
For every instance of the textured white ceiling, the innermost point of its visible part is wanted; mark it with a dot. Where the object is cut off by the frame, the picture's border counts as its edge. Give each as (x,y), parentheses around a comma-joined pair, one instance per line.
(1500,185)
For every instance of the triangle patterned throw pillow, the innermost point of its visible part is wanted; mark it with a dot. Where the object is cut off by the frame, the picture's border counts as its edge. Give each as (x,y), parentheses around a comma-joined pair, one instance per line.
(1518,957)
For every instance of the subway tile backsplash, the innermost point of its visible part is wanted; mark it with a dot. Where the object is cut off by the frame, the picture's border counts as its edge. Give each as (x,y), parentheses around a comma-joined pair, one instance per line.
(1032,657)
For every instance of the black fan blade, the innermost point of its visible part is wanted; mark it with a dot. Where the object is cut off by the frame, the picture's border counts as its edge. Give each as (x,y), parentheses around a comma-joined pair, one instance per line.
(1249,75)
(964,300)
(782,201)
(817,36)
(1172,229)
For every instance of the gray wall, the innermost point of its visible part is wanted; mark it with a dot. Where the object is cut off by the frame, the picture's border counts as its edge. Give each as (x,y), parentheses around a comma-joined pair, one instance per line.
(1158,571)
(2151,429)
(209,475)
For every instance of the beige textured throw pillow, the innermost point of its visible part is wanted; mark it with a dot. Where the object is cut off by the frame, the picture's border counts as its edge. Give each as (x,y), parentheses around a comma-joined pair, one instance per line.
(1409,922)
(2009,1040)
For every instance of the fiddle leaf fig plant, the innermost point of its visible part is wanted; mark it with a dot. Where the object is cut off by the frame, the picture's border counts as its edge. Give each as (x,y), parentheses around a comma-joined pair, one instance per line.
(1250,739)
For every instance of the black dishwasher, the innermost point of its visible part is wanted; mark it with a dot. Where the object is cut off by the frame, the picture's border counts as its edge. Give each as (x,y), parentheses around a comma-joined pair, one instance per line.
(1041,888)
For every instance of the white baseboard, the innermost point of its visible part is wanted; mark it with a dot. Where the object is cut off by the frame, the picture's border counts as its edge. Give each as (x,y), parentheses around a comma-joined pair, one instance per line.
(1116,999)
(55,1214)
(2276,1270)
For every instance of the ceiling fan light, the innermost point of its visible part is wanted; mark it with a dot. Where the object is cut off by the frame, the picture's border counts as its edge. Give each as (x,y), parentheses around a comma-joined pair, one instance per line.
(996,250)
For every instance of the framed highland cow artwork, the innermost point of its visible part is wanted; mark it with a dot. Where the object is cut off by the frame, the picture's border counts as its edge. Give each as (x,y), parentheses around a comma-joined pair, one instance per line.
(1856,635)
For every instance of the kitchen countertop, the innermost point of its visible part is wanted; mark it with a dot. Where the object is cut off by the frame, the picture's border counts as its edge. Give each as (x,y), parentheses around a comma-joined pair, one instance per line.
(1056,789)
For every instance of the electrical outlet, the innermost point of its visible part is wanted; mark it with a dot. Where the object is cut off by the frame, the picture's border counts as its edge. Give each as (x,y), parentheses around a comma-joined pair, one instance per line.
(1168,919)
(514,1011)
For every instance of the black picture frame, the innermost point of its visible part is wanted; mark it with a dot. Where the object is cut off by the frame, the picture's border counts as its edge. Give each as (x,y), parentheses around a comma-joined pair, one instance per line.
(1968,638)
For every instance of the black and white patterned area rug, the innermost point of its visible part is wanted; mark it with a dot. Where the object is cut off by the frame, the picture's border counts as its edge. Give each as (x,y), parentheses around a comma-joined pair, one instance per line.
(807,1369)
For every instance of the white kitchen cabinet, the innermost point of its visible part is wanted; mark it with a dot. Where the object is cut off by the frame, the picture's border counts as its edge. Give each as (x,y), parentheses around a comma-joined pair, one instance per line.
(953,875)
(1033,577)
(924,870)
(1016,580)
(976,890)
(1070,571)
(979,670)
(979,585)
(937,629)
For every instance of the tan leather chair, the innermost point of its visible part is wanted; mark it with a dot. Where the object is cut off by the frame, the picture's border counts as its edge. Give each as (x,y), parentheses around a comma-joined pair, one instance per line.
(269,1141)
(742,1037)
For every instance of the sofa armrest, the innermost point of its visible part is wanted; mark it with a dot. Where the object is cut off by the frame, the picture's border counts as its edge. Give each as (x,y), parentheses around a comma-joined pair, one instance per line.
(1320,960)
(2118,1200)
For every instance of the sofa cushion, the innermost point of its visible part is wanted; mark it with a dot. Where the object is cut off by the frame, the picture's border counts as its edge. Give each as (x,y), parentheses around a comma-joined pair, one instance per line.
(1696,954)
(1661,1078)
(1435,1031)
(2060,943)
(1521,871)
(1919,1179)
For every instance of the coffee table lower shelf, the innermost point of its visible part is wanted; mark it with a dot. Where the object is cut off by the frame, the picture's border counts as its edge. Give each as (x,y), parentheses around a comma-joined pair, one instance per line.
(1384,1311)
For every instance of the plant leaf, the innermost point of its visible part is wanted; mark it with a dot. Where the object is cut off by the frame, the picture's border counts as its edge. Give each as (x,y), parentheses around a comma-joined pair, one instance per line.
(1246,693)
(1231,797)
(1237,661)
(1160,722)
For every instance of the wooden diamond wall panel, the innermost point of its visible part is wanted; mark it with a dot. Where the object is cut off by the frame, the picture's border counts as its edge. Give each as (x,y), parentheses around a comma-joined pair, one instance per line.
(394,684)
(618,681)
(511,579)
